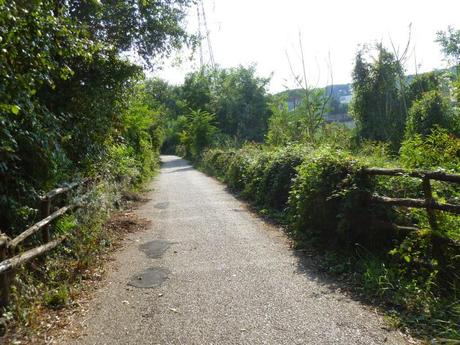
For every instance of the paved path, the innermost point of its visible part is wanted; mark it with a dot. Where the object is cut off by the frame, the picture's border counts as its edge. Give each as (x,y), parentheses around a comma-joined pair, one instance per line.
(220,276)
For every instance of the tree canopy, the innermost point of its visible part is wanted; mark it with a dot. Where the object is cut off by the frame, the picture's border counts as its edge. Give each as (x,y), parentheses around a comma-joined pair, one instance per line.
(65,86)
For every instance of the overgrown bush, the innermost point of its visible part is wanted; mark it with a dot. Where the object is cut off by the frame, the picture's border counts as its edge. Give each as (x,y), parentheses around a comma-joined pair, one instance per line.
(262,175)
(237,173)
(277,176)
(329,202)
(438,150)
(215,161)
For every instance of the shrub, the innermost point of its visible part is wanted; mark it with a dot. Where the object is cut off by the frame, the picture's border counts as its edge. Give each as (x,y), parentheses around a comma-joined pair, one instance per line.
(254,172)
(264,176)
(198,133)
(237,172)
(439,149)
(329,203)
(216,161)
(58,298)
(276,180)
(430,110)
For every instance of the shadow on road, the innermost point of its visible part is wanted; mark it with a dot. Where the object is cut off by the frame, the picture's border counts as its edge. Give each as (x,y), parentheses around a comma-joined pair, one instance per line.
(168,162)
(181,170)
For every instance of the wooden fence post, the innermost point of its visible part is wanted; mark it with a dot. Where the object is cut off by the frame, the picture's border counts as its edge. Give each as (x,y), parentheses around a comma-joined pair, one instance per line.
(45,208)
(5,276)
(429,200)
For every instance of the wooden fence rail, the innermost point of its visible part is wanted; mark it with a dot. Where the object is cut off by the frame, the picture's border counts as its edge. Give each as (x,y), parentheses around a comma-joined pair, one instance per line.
(428,203)
(9,259)
(432,175)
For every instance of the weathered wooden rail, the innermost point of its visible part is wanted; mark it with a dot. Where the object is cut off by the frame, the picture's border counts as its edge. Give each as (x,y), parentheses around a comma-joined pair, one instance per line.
(428,203)
(10,259)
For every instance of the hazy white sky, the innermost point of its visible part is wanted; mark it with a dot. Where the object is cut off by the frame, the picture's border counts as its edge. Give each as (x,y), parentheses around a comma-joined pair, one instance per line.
(262,31)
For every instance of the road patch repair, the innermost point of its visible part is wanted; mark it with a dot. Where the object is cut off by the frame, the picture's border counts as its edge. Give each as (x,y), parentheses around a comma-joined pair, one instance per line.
(155,249)
(162,205)
(150,278)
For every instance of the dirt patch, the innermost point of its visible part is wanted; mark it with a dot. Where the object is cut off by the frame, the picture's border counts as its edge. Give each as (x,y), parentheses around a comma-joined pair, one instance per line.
(127,196)
(125,222)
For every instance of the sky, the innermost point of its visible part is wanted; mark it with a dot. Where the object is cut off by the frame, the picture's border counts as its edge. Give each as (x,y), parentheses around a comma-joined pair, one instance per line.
(265,32)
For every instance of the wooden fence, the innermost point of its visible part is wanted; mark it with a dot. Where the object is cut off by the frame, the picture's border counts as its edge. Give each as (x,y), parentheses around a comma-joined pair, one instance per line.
(9,256)
(428,203)
(440,243)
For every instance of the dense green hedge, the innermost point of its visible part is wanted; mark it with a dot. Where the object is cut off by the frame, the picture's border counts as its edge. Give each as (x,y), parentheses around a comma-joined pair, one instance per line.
(323,198)
(321,192)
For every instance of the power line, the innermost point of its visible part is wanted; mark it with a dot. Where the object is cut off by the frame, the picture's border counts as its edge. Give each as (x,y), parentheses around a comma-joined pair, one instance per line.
(201,13)
(200,36)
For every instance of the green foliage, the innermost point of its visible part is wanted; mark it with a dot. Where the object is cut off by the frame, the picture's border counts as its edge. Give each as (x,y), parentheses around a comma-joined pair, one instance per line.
(66,94)
(450,43)
(236,174)
(197,88)
(149,28)
(282,125)
(377,105)
(277,176)
(236,96)
(430,110)
(334,135)
(301,124)
(33,44)
(439,149)
(328,202)
(215,161)
(241,103)
(58,298)
(198,133)
(422,83)
(58,278)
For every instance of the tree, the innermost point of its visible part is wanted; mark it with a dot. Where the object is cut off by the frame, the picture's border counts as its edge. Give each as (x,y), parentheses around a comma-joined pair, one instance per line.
(422,83)
(149,28)
(295,125)
(283,124)
(197,88)
(313,102)
(236,95)
(377,105)
(240,103)
(450,44)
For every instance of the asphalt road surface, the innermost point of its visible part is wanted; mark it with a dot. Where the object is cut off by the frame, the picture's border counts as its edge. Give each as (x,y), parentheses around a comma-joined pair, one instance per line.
(208,271)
